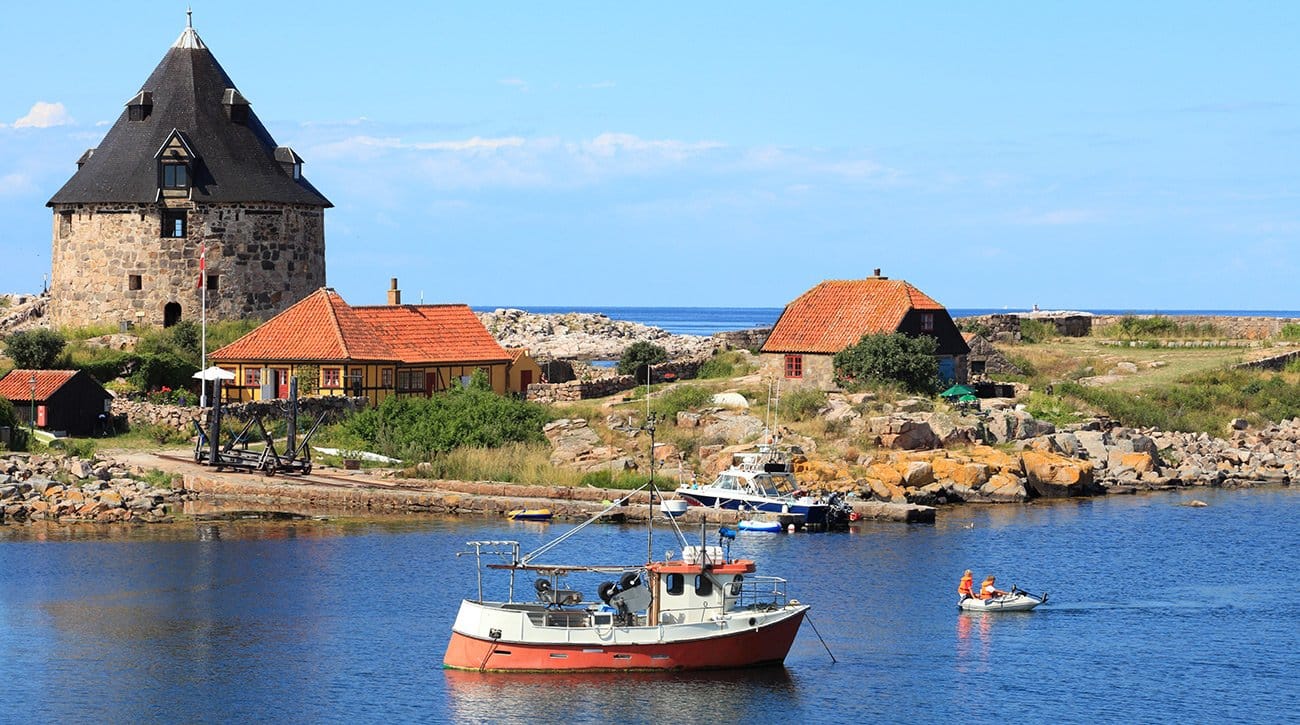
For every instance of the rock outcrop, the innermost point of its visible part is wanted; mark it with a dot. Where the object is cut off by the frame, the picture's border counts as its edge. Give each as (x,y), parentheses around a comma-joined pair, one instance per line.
(586,336)
(70,489)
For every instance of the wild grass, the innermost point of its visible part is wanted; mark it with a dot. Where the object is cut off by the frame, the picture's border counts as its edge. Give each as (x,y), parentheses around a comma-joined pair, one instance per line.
(727,364)
(511,463)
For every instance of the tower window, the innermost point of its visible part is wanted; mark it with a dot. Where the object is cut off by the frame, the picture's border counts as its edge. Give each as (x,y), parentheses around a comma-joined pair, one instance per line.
(134,282)
(175,176)
(214,282)
(173,223)
(65,224)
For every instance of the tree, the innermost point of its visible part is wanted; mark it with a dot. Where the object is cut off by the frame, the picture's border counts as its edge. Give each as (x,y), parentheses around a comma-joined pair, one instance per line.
(890,358)
(638,356)
(37,349)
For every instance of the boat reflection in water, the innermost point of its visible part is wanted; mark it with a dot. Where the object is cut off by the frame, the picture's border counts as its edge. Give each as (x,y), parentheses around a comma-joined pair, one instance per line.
(630,697)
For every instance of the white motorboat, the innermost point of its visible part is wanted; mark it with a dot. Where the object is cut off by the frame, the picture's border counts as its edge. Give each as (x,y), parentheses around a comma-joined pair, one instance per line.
(1013,601)
(764,481)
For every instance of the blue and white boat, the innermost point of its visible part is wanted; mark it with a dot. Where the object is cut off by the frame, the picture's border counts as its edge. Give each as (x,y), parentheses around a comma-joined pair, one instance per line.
(762,480)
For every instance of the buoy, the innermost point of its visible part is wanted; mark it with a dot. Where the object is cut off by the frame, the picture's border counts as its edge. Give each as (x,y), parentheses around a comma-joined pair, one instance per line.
(790,528)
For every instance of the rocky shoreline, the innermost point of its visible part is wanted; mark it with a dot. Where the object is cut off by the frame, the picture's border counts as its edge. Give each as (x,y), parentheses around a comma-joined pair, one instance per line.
(72,490)
(585,336)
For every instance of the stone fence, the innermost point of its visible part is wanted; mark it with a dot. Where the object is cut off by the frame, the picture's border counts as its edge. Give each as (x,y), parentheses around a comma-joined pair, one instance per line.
(751,339)
(179,417)
(601,387)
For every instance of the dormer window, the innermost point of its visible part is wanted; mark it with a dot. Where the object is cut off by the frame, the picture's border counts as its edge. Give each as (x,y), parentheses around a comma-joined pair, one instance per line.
(236,106)
(290,161)
(140,107)
(175,166)
(175,175)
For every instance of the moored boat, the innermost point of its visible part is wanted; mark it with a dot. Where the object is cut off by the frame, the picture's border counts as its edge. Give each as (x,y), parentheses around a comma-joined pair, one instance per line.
(529,515)
(705,610)
(764,481)
(1013,601)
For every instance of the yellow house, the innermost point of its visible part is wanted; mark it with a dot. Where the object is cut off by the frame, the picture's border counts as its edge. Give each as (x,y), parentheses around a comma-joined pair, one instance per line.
(523,370)
(370,351)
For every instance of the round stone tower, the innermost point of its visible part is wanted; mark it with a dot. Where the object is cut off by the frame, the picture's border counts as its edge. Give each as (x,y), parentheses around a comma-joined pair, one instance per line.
(187,179)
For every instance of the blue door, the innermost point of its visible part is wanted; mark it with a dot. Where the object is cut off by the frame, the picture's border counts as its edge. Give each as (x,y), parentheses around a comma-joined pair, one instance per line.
(947,369)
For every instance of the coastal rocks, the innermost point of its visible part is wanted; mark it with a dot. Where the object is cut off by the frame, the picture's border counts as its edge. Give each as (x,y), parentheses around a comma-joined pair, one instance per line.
(577,446)
(80,494)
(586,336)
(1056,476)
(730,425)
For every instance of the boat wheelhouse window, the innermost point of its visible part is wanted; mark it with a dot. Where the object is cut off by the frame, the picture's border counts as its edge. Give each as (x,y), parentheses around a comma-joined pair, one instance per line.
(783,483)
(727,482)
(675,583)
(737,584)
(703,585)
(765,485)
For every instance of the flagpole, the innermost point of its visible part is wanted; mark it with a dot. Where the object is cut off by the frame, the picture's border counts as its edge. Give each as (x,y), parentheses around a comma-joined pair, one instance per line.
(203,335)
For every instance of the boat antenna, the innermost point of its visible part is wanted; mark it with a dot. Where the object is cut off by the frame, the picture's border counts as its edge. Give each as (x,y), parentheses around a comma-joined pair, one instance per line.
(776,413)
(650,487)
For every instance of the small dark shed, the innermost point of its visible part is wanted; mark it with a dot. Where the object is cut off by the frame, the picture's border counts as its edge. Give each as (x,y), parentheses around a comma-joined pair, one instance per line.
(69,401)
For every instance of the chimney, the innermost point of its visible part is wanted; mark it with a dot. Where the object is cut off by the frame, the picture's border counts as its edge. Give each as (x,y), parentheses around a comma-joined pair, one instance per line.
(394,294)
(875,274)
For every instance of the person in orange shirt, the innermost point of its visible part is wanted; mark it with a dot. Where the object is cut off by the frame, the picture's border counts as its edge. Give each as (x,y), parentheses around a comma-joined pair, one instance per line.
(966,587)
(988,590)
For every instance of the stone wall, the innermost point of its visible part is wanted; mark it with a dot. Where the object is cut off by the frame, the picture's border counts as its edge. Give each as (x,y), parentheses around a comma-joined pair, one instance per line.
(601,387)
(265,257)
(179,417)
(1241,328)
(751,339)
(1006,327)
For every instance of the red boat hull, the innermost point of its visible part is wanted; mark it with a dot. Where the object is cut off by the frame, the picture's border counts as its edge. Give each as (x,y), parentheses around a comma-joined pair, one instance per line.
(748,648)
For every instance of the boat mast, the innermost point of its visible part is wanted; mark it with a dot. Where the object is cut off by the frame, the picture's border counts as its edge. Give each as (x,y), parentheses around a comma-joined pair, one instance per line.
(650,493)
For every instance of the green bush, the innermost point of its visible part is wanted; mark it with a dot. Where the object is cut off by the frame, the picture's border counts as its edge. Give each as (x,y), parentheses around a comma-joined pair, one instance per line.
(162,434)
(890,358)
(802,404)
(1290,331)
(419,428)
(37,349)
(163,370)
(725,365)
(1035,331)
(17,433)
(625,481)
(678,398)
(638,355)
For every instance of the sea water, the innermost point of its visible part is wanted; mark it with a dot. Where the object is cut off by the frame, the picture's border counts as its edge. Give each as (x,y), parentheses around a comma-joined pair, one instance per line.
(1158,612)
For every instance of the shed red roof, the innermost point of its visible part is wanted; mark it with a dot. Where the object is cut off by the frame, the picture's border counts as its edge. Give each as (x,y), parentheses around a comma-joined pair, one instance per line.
(17,385)
(837,313)
(322,326)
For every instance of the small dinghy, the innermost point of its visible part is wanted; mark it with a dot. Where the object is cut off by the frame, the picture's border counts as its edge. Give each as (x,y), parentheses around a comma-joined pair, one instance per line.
(1014,601)
(529,515)
(773,527)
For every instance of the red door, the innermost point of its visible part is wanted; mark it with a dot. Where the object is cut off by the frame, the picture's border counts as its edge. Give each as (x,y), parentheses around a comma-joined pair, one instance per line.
(429,380)
(525,379)
(282,382)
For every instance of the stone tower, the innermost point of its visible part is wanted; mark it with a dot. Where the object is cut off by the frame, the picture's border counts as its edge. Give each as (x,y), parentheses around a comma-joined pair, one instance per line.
(187,170)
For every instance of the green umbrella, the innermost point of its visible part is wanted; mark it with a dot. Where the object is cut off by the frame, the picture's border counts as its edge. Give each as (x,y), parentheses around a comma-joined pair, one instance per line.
(967,398)
(957,391)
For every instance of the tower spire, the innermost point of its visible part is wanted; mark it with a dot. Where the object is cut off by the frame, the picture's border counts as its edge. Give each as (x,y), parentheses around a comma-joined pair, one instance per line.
(189,17)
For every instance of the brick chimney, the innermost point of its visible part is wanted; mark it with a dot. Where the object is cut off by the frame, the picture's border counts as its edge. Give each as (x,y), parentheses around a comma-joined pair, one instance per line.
(875,274)
(394,294)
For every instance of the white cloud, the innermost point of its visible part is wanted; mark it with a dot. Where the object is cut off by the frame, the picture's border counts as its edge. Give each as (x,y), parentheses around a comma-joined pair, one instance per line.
(44,115)
(15,184)
(519,83)
(1055,217)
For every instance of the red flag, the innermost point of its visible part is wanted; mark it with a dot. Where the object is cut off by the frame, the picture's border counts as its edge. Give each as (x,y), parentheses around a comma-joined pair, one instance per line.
(203,259)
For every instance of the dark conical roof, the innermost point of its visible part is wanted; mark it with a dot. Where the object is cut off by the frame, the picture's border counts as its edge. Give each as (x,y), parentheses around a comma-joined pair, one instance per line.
(236,160)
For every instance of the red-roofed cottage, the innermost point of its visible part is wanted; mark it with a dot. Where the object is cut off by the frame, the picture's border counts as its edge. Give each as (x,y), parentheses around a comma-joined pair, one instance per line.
(66,401)
(837,313)
(376,351)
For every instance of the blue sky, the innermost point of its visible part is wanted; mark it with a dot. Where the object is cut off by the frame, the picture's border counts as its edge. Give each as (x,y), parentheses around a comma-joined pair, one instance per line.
(1071,155)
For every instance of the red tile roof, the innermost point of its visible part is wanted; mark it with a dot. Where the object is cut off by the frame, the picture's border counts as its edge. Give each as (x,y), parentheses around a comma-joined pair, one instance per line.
(17,385)
(837,313)
(322,327)
(433,333)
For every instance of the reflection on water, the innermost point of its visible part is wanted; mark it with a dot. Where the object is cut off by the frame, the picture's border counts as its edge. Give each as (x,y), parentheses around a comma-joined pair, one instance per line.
(733,696)
(310,621)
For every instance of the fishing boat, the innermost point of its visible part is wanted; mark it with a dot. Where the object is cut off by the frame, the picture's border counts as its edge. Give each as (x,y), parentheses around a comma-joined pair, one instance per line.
(704,610)
(1016,600)
(529,515)
(764,480)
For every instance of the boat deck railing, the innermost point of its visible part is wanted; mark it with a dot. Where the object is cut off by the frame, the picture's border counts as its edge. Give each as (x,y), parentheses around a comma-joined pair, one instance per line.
(762,592)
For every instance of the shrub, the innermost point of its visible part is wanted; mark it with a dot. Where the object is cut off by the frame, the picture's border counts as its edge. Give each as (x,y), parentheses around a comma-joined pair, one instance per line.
(638,356)
(1290,331)
(893,357)
(802,404)
(725,365)
(621,480)
(419,428)
(162,434)
(79,447)
(17,433)
(678,398)
(37,349)
(1034,331)
(163,370)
